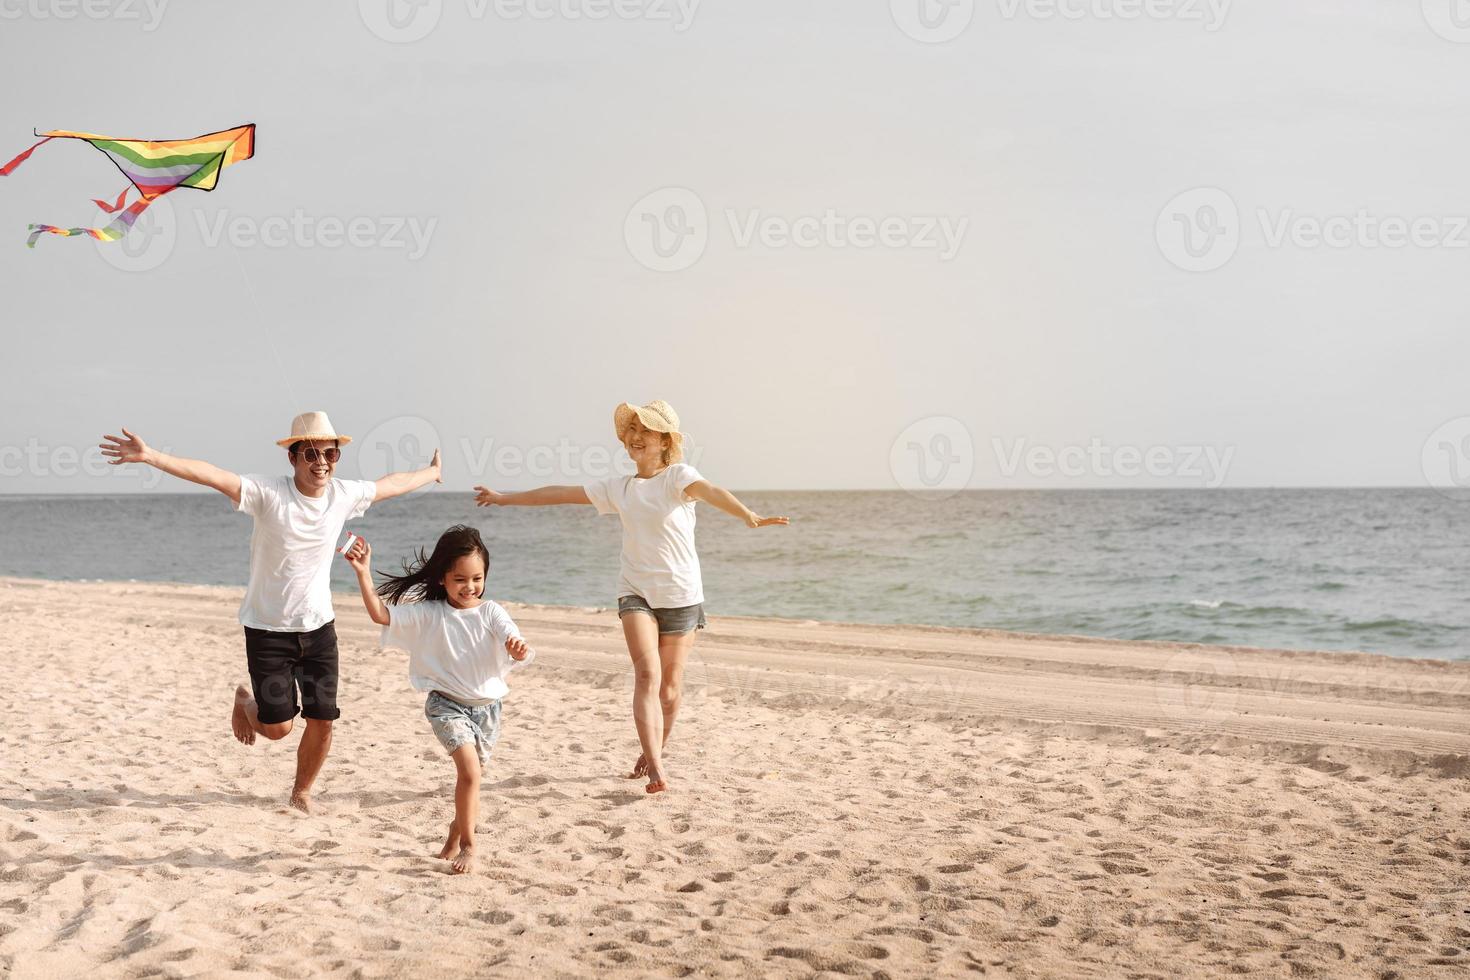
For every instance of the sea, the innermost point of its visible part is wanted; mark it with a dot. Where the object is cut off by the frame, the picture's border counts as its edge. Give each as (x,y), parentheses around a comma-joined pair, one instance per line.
(1379,570)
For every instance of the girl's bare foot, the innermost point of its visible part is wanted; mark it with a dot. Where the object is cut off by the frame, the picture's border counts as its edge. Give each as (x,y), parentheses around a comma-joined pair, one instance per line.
(464,861)
(240,717)
(640,768)
(450,843)
(657,781)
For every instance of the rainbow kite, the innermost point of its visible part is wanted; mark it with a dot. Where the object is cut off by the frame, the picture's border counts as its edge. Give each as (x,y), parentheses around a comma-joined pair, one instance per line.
(153,167)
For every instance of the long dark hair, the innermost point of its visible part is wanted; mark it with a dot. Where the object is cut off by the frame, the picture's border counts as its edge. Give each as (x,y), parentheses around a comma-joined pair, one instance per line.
(423,578)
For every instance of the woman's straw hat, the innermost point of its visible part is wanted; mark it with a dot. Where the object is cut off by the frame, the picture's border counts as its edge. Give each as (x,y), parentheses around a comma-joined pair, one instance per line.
(657,415)
(314,426)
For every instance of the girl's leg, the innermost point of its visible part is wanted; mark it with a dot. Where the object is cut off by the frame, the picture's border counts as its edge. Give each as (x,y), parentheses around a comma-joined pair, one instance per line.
(640,630)
(466,807)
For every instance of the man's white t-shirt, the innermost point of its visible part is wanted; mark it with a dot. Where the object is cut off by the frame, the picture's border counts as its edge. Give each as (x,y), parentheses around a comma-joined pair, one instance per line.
(459,652)
(291,549)
(659,562)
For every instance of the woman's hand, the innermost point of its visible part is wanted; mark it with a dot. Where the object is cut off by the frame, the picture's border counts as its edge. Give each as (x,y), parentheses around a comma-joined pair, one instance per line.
(517,648)
(360,556)
(752,519)
(485,497)
(129,449)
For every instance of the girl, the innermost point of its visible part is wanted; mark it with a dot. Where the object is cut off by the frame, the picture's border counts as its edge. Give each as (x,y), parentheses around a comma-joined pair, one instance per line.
(660,592)
(461,648)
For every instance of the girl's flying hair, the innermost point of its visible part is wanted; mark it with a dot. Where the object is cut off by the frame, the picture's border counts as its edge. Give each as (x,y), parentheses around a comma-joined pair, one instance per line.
(423,579)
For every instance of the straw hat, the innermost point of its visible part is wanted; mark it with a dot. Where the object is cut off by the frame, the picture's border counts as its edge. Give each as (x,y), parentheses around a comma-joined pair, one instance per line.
(657,415)
(312,425)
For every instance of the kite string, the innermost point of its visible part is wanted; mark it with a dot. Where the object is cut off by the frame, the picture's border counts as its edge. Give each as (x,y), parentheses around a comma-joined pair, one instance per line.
(266,330)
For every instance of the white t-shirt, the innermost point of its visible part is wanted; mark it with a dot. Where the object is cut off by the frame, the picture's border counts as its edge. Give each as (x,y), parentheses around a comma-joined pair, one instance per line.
(460,652)
(659,562)
(291,549)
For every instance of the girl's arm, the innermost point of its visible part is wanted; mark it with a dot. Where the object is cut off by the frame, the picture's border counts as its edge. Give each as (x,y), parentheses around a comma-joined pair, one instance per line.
(540,497)
(132,449)
(727,502)
(359,556)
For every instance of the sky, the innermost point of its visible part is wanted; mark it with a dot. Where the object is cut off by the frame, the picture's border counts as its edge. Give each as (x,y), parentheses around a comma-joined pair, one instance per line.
(896,243)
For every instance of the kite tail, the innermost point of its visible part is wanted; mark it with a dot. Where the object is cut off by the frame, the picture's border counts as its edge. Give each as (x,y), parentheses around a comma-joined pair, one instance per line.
(6,170)
(112,208)
(119,227)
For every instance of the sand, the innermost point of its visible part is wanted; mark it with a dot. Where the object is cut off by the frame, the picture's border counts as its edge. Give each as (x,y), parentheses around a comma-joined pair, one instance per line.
(865,801)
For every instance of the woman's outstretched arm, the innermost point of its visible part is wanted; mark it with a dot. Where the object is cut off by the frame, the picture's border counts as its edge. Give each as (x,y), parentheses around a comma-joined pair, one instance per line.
(730,504)
(540,497)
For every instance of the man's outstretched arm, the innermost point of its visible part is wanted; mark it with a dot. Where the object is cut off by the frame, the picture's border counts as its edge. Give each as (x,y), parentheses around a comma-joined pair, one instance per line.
(132,449)
(397,484)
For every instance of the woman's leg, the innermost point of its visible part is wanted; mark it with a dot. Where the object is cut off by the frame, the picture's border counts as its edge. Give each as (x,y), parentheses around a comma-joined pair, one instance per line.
(640,630)
(466,806)
(673,653)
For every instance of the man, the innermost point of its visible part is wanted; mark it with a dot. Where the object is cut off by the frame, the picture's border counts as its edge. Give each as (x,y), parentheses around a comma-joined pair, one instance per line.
(290,635)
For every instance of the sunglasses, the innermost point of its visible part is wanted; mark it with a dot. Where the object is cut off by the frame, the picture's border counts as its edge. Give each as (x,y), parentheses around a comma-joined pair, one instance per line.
(311,454)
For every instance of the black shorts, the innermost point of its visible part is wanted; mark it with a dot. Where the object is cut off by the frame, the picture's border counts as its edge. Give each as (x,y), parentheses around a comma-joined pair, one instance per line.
(281,662)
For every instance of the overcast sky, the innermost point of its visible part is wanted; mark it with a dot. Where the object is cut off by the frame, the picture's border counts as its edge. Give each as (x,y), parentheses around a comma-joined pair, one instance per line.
(890,247)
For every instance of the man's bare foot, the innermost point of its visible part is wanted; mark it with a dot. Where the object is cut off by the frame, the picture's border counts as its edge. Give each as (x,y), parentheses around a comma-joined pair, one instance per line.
(240,717)
(657,781)
(450,842)
(464,861)
(640,768)
(300,800)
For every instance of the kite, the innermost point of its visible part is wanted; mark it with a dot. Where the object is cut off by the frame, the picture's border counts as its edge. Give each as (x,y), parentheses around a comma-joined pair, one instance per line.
(153,168)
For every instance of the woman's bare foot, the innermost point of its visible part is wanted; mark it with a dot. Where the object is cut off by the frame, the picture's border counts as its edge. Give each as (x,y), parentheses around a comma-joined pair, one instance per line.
(242,717)
(300,801)
(657,781)
(640,768)
(464,861)
(450,842)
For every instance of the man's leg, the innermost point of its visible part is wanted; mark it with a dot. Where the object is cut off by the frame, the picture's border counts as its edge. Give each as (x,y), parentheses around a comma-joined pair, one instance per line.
(271,659)
(316,742)
(316,672)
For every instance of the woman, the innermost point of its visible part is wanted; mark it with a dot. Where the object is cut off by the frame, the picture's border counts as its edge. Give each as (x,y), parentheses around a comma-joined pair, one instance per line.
(660,592)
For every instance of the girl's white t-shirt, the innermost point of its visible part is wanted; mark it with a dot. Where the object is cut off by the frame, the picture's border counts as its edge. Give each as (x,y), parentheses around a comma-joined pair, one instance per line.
(658,562)
(460,652)
(291,549)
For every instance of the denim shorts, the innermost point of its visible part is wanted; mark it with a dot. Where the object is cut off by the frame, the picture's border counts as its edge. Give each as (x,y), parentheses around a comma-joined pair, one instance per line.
(281,662)
(457,725)
(678,619)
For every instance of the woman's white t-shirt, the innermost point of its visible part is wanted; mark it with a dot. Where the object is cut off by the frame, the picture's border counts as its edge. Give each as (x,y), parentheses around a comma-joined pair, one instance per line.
(659,562)
(460,652)
(291,549)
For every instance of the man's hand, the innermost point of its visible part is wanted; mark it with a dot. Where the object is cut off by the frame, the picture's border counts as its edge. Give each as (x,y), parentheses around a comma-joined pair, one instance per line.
(517,648)
(129,449)
(485,497)
(437,469)
(360,556)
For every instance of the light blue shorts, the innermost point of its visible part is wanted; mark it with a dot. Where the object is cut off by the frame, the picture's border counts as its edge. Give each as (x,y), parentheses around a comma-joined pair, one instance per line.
(456,725)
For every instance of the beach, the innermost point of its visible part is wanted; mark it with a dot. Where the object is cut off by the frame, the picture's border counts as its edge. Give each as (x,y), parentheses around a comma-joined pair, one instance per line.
(855,800)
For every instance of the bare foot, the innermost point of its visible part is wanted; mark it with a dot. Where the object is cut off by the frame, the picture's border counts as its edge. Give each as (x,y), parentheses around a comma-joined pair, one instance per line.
(657,782)
(240,718)
(300,800)
(640,768)
(450,842)
(464,861)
